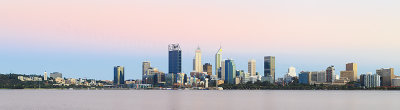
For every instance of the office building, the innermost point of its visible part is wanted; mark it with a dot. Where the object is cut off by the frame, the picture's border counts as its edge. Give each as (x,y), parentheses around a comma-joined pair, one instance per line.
(370,80)
(223,70)
(269,67)
(330,74)
(55,75)
(119,75)
(145,67)
(387,74)
(174,58)
(207,68)
(197,66)
(304,77)
(350,73)
(252,67)
(230,71)
(218,59)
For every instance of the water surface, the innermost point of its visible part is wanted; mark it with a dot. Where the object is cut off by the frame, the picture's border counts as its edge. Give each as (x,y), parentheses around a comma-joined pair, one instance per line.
(198,100)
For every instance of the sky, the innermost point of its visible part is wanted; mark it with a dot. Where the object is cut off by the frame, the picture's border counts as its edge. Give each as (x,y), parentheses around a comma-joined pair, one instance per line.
(86,38)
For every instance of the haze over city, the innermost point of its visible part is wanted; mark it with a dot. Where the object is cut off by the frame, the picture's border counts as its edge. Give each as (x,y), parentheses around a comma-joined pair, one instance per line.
(88,38)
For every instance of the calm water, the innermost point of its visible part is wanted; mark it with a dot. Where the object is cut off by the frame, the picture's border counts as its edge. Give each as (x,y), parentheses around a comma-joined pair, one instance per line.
(197,100)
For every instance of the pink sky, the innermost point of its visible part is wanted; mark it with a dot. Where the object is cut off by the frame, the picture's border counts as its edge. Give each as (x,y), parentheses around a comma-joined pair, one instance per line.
(312,27)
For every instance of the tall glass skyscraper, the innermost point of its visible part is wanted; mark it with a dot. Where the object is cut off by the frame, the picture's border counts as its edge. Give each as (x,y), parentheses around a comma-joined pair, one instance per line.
(119,72)
(218,57)
(269,67)
(230,71)
(174,59)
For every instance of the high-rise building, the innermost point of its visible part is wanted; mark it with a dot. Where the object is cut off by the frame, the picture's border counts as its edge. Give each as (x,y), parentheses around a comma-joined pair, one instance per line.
(174,58)
(119,75)
(330,74)
(370,80)
(145,67)
(350,73)
(197,66)
(386,76)
(208,68)
(45,76)
(223,70)
(230,71)
(252,67)
(55,75)
(218,58)
(269,67)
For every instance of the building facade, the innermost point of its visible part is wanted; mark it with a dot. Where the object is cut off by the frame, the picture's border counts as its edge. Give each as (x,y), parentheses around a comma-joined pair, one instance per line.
(207,68)
(269,67)
(45,76)
(223,70)
(119,73)
(174,58)
(218,58)
(230,71)
(252,67)
(145,67)
(370,80)
(304,77)
(330,74)
(386,76)
(197,65)
(350,73)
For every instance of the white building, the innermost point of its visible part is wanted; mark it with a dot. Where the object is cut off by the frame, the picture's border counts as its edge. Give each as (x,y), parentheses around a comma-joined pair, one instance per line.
(45,76)
(197,66)
(252,67)
(370,80)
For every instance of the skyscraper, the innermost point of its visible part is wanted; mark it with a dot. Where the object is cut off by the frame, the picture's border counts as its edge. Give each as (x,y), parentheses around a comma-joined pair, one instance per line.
(252,67)
(269,67)
(208,68)
(386,76)
(230,71)
(197,66)
(223,70)
(218,57)
(45,76)
(174,58)
(350,73)
(330,74)
(119,75)
(145,67)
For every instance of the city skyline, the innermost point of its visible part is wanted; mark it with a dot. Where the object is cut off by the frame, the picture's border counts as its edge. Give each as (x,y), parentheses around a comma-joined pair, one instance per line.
(85,39)
(176,47)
